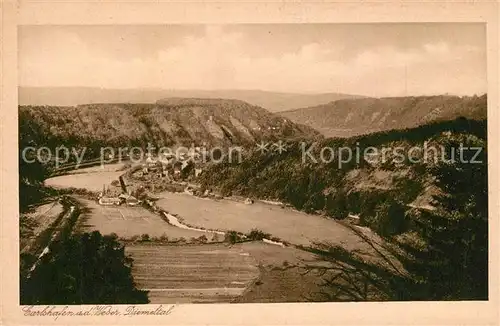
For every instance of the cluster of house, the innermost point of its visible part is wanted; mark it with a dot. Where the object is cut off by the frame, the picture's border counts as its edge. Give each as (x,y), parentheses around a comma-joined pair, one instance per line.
(122,199)
(170,166)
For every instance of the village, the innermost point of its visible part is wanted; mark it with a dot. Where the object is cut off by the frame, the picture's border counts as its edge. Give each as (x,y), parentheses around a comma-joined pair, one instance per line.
(168,172)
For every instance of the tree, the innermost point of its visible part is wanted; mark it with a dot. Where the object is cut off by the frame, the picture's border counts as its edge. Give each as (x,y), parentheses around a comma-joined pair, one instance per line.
(456,264)
(390,218)
(32,172)
(83,269)
(336,205)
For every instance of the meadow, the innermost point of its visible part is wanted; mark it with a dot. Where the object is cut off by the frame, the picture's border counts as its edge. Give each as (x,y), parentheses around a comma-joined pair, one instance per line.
(128,222)
(287,224)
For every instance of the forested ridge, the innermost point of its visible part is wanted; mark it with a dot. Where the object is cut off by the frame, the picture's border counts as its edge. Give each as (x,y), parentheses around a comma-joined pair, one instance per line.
(436,210)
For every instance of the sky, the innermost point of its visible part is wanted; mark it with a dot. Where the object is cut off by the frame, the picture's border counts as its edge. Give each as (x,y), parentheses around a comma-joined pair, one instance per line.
(365,59)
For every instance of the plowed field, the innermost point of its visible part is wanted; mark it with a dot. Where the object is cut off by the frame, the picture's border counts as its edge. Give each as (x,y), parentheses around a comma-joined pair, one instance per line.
(193,273)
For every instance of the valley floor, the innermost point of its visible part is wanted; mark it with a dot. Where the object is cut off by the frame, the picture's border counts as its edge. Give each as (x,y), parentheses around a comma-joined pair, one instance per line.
(212,271)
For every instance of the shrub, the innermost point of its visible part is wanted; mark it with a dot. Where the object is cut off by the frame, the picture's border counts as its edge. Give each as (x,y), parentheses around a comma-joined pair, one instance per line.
(256,234)
(145,237)
(202,239)
(232,237)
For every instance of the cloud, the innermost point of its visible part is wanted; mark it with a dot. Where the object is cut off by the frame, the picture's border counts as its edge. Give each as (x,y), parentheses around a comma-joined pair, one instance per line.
(219,59)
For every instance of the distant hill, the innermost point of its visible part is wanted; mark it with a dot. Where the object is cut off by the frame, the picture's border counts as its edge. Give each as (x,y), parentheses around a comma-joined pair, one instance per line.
(350,117)
(69,96)
(175,122)
(272,101)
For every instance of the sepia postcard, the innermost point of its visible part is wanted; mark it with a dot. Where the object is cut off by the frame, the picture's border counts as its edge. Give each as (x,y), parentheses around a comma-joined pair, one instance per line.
(249,163)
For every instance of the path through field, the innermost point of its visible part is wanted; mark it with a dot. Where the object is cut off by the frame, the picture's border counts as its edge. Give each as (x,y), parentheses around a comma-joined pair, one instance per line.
(44,215)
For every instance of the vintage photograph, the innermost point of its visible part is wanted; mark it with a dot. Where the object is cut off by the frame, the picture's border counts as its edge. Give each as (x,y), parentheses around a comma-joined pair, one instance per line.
(252,163)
